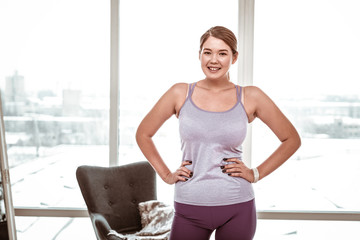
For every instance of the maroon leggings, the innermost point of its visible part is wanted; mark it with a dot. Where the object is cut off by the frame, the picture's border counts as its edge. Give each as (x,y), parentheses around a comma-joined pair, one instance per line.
(232,222)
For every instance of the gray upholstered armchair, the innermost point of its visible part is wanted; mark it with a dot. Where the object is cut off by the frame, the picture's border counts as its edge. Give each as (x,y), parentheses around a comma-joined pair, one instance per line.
(112,195)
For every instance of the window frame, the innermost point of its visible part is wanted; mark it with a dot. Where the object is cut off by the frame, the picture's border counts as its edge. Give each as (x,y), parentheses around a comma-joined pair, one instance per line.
(245,77)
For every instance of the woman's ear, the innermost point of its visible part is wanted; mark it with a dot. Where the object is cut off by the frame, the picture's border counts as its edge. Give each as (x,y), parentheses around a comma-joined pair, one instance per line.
(235,57)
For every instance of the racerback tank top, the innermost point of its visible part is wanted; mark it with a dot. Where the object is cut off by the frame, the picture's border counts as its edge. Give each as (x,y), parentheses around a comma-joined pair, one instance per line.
(206,139)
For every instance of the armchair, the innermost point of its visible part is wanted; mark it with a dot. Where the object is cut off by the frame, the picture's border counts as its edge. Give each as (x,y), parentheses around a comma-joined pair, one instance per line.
(112,195)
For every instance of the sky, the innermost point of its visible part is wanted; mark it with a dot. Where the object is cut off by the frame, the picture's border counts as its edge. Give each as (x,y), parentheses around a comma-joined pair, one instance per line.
(54,44)
(306,48)
(301,47)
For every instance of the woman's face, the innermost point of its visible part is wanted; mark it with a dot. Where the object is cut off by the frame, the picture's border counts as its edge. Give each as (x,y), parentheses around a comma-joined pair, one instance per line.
(216,58)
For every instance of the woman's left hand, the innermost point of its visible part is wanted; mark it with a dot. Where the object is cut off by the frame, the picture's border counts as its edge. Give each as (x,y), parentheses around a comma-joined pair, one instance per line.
(237,169)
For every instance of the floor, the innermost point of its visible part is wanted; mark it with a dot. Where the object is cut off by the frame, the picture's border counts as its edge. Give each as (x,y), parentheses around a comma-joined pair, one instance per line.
(54,228)
(81,228)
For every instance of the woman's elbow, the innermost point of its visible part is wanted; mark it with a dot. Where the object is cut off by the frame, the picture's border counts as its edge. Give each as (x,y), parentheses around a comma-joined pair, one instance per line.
(297,141)
(293,140)
(139,135)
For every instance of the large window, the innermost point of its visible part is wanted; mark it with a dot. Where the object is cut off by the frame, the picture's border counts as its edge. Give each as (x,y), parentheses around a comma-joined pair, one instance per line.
(306,57)
(54,80)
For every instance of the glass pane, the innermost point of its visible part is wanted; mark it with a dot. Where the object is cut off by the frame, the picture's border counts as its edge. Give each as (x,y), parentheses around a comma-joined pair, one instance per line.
(159,46)
(307,58)
(309,230)
(54,80)
(44,228)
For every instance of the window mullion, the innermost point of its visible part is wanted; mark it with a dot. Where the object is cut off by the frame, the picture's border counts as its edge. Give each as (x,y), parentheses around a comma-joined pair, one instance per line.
(114,85)
(245,59)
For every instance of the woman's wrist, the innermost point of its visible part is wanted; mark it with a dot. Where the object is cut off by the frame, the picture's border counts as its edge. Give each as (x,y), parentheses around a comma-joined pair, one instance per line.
(256,175)
(166,176)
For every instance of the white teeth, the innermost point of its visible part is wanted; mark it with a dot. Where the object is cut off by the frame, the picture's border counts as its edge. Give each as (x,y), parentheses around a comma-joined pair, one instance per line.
(213,69)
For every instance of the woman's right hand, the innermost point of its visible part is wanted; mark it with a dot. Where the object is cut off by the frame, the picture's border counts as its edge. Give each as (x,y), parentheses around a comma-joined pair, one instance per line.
(181,174)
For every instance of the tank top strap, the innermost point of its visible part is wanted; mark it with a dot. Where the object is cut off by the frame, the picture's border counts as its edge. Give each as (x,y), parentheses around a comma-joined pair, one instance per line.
(238,92)
(191,89)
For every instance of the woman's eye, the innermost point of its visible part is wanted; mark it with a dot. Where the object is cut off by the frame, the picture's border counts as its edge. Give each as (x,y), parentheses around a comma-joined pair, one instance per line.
(207,52)
(223,54)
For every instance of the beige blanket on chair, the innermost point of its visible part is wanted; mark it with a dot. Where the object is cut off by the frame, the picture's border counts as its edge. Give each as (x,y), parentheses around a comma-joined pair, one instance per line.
(156,220)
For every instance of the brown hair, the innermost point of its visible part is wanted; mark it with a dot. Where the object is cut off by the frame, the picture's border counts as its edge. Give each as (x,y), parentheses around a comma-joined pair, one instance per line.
(221,33)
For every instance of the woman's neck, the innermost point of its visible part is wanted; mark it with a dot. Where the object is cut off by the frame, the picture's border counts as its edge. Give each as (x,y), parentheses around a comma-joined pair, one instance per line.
(215,85)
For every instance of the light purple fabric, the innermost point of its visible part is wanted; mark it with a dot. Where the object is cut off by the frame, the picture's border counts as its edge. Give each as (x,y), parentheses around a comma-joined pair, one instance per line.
(206,139)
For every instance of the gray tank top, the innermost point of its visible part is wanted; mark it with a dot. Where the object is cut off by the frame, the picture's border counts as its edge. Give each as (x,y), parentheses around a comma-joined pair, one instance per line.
(206,139)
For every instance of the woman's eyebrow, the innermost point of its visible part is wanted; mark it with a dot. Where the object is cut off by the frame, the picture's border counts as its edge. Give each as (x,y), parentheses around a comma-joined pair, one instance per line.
(221,50)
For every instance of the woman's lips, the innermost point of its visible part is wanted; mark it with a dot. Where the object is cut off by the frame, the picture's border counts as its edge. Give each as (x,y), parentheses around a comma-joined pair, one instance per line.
(214,69)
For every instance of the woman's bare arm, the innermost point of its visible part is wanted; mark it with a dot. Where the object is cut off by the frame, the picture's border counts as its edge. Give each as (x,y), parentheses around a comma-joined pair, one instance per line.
(258,105)
(262,107)
(168,105)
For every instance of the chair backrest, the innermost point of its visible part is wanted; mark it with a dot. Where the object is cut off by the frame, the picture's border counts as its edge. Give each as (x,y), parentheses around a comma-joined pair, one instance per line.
(115,192)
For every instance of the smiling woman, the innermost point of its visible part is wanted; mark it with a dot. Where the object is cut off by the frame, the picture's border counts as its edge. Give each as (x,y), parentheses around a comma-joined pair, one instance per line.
(172,56)
(213,117)
(216,58)
(222,54)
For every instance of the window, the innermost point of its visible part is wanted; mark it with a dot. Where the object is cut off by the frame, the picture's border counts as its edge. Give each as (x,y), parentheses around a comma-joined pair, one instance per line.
(306,57)
(54,80)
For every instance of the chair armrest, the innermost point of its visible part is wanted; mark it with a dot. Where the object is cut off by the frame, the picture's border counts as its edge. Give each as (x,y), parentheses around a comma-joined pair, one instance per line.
(102,227)
(113,237)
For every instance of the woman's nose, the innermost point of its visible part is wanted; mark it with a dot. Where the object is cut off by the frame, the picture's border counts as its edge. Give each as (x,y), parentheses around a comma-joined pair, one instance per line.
(213,58)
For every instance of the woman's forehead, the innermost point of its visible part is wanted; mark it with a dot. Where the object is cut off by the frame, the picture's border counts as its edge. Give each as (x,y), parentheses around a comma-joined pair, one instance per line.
(213,43)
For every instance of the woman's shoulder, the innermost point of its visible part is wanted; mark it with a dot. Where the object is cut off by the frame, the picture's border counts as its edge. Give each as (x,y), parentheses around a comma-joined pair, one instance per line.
(255,96)
(179,93)
(179,89)
(253,91)
(252,88)
(180,86)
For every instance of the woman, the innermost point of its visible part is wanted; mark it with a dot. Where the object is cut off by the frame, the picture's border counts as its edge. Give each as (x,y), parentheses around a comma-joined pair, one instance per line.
(213,189)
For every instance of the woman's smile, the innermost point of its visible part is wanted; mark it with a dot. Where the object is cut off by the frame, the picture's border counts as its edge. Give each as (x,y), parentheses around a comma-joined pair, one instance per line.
(214,69)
